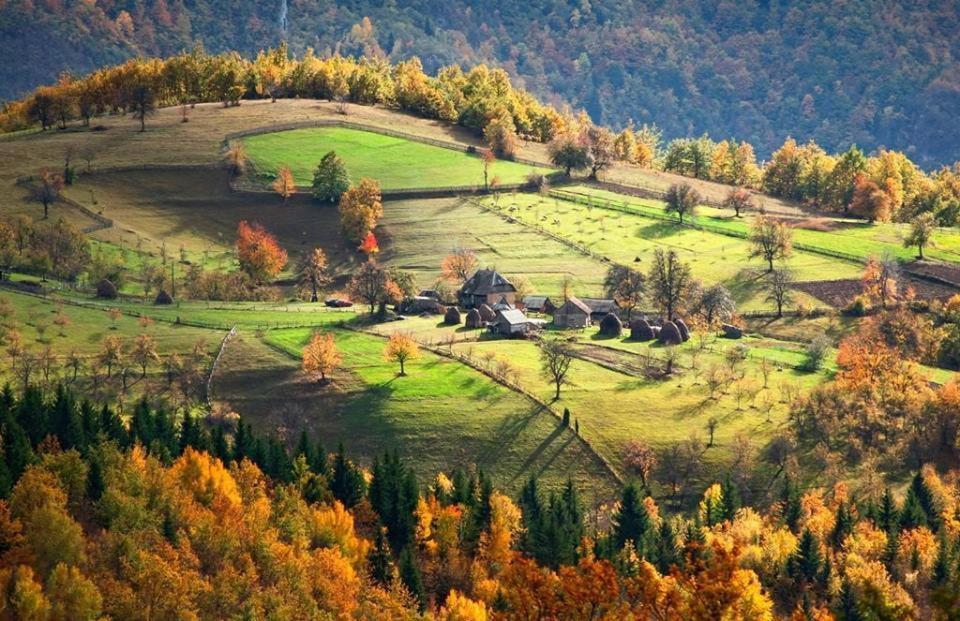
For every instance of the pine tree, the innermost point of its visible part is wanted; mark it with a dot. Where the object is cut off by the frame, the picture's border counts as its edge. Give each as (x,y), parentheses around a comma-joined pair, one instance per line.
(806,563)
(791,500)
(304,447)
(96,484)
(32,415)
(112,425)
(219,445)
(731,498)
(927,501)
(666,549)
(347,484)
(843,525)
(631,522)
(381,562)
(461,483)
(411,578)
(847,607)
(912,514)
(889,514)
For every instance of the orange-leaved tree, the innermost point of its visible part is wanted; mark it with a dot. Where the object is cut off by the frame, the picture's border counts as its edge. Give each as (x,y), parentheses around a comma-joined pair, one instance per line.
(321,356)
(258,252)
(283,184)
(360,208)
(401,348)
(369,245)
(458,265)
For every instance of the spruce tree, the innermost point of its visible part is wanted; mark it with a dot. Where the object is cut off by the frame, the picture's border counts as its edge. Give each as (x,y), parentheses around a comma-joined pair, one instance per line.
(806,563)
(381,562)
(888,515)
(631,522)
(847,607)
(731,498)
(347,484)
(843,525)
(411,578)
(219,446)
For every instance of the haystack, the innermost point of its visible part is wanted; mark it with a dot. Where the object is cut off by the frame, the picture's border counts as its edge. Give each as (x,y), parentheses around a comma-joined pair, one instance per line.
(669,334)
(684,331)
(452,316)
(106,290)
(610,325)
(163,298)
(474,320)
(640,330)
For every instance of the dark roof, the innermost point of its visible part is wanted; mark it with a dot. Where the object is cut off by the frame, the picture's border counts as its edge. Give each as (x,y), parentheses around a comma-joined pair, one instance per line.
(574,303)
(599,305)
(484,282)
(535,301)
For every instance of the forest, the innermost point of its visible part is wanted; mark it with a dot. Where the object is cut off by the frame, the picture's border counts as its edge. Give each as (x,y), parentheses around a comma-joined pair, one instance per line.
(873,73)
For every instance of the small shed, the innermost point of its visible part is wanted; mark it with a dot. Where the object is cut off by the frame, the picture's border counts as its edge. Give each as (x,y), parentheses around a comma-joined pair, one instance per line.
(539,304)
(512,322)
(601,307)
(572,314)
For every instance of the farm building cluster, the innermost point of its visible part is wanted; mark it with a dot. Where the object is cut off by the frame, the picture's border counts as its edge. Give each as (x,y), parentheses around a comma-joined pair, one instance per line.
(489,300)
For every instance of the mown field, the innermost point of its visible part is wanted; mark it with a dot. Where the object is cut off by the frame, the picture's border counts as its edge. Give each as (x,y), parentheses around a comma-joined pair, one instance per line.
(395,162)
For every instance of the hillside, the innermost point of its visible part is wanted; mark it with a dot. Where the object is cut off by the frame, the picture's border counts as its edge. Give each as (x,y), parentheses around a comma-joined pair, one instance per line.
(876,73)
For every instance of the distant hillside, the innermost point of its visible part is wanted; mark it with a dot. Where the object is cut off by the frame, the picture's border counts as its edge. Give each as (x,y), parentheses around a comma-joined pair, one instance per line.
(878,73)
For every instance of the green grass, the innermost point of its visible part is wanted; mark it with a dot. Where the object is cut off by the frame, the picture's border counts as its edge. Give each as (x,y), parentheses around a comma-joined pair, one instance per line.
(632,238)
(442,414)
(845,235)
(395,162)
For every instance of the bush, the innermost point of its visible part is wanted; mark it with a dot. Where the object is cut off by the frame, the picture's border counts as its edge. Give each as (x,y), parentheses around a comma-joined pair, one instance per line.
(163,298)
(640,330)
(858,307)
(106,290)
(815,354)
(611,325)
(452,316)
(670,334)
(684,331)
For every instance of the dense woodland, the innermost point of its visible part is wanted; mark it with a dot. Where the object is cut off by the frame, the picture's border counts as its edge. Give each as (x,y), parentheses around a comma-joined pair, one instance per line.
(873,73)
(167,518)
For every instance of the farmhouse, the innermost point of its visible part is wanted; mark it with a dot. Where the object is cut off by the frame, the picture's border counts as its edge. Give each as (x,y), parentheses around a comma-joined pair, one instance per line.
(600,307)
(572,314)
(513,322)
(487,287)
(538,304)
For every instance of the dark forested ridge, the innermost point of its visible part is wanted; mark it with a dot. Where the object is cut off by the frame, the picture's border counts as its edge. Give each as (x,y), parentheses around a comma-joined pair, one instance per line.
(877,73)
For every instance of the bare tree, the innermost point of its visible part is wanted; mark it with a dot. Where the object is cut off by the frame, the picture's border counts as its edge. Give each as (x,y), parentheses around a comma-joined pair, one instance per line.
(555,362)
(779,282)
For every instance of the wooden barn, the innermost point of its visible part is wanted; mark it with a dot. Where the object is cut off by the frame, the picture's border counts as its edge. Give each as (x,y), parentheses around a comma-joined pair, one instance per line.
(487,287)
(539,304)
(572,314)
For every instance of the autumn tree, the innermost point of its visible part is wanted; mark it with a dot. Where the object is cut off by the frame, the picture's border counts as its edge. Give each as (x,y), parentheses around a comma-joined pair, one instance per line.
(670,281)
(258,252)
(555,360)
(921,232)
(143,352)
(48,190)
(459,265)
(770,239)
(739,200)
(715,305)
(501,136)
(284,184)
(331,178)
(360,209)
(321,356)
(373,285)
(401,348)
(881,280)
(601,149)
(682,200)
(313,273)
(626,286)
(369,246)
(237,158)
(870,201)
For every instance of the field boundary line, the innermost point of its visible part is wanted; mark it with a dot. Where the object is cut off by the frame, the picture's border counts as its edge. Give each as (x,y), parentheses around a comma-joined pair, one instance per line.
(208,386)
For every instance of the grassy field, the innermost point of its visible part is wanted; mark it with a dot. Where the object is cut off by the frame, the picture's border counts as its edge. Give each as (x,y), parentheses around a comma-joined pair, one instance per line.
(845,235)
(370,408)
(632,238)
(196,210)
(395,162)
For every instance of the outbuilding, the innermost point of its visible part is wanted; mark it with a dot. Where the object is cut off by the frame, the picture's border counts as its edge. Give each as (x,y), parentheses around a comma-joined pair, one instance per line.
(572,314)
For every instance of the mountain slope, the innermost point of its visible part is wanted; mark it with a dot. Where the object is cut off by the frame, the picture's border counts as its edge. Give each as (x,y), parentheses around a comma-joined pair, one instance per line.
(878,73)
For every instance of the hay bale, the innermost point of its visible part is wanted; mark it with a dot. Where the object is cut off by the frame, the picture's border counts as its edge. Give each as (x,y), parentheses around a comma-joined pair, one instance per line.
(486,313)
(474,320)
(163,298)
(670,334)
(106,290)
(640,330)
(684,331)
(452,316)
(731,331)
(611,325)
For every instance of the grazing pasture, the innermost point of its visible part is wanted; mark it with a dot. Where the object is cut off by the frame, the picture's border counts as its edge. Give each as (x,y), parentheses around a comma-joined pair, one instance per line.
(396,163)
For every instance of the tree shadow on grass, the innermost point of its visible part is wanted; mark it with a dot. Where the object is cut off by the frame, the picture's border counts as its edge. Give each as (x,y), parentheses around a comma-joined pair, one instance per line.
(657,230)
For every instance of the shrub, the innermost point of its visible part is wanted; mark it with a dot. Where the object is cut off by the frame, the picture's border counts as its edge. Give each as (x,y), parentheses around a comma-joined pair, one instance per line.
(815,353)
(640,330)
(670,334)
(163,298)
(684,331)
(474,320)
(858,307)
(106,290)
(452,316)
(611,325)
